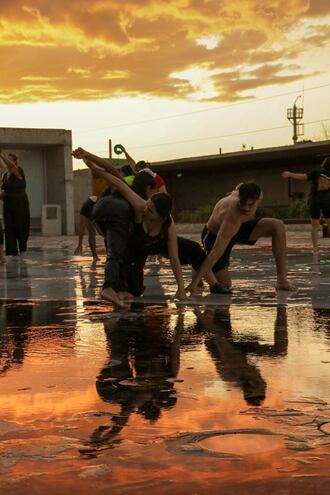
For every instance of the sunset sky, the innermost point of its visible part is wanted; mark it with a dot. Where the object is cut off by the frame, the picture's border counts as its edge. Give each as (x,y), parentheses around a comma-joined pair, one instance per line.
(167,78)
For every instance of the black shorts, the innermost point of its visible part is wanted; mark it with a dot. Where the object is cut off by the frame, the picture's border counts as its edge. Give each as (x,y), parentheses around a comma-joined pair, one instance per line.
(87,208)
(320,204)
(242,237)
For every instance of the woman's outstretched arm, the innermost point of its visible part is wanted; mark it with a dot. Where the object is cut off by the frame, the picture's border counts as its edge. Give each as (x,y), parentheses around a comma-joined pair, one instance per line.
(134,199)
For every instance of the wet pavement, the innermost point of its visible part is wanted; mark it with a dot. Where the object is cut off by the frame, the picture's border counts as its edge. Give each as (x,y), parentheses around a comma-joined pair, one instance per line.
(222,394)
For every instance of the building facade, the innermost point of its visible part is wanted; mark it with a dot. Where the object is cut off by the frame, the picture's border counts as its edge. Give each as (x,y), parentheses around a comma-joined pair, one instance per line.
(198,181)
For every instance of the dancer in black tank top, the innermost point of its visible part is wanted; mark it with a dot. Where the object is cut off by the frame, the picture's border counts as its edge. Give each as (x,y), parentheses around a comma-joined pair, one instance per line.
(154,214)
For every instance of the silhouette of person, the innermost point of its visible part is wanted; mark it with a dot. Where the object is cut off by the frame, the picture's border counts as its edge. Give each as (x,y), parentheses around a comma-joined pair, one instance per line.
(142,356)
(231,357)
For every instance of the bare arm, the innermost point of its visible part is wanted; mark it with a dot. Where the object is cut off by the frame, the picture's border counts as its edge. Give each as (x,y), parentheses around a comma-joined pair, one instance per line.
(101,162)
(130,160)
(292,175)
(134,199)
(172,246)
(11,166)
(226,232)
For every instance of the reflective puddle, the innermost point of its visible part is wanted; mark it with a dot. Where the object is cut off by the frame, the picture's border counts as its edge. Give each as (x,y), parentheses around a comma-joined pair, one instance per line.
(242,444)
(222,393)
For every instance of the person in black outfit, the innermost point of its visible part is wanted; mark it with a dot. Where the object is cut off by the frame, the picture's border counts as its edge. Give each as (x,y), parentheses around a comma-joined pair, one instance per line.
(319,199)
(16,210)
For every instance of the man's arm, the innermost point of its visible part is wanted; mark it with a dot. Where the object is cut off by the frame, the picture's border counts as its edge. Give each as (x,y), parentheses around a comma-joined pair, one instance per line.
(292,175)
(228,229)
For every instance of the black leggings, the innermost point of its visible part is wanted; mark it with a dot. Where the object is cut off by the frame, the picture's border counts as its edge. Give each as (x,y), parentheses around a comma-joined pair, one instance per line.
(190,253)
(113,217)
(16,215)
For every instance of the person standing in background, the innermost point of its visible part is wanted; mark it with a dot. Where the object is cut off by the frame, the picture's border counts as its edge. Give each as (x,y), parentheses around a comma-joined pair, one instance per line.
(319,198)
(16,210)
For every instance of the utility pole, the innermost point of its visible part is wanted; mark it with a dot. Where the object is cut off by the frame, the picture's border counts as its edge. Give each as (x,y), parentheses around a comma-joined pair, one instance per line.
(110,148)
(294,115)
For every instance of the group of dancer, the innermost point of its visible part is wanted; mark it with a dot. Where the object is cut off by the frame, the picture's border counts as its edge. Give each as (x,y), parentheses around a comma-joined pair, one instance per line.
(134,216)
(136,222)
(16,210)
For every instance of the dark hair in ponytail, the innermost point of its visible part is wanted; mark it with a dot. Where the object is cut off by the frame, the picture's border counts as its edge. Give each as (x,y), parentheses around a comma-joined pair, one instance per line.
(163,204)
(140,183)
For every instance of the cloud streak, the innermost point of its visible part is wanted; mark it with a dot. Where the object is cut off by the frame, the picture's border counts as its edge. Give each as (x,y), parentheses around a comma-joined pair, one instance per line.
(85,50)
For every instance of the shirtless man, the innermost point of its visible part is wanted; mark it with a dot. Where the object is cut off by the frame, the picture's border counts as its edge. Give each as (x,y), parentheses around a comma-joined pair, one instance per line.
(232,222)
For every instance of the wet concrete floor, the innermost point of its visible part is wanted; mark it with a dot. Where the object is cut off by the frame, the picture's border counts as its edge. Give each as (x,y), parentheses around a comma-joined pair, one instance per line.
(223,394)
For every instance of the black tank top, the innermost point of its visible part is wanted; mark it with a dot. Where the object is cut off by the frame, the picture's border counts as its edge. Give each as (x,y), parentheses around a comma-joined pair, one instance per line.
(141,242)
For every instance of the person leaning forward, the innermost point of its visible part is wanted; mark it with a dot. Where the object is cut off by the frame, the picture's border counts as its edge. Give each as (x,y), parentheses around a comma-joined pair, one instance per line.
(232,222)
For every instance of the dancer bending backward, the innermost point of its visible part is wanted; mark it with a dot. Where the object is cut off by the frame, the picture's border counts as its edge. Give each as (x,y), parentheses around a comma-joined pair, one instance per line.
(155,216)
(230,223)
(319,199)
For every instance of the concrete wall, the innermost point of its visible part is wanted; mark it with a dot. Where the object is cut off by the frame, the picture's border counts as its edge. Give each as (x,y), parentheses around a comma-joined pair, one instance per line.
(59,184)
(198,187)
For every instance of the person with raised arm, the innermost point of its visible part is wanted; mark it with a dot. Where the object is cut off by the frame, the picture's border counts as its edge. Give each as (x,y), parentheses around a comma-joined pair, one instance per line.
(16,210)
(153,216)
(319,198)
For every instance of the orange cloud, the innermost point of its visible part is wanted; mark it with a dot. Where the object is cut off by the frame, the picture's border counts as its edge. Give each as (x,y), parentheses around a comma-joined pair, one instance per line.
(98,49)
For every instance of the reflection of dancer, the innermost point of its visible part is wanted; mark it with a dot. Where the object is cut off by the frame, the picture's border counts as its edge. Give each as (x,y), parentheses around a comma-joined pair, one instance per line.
(230,356)
(15,317)
(319,199)
(16,210)
(142,358)
(230,223)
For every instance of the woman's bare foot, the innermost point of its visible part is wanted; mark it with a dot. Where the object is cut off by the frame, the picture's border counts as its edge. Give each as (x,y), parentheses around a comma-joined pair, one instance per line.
(126,296)
(110,295)
(285,285)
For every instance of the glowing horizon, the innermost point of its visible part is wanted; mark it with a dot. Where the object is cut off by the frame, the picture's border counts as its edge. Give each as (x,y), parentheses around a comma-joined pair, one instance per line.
(98,67)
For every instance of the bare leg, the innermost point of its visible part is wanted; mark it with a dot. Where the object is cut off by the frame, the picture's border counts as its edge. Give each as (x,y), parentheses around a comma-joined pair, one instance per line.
(315,222)
(81,231)
(223,276)
(91,238)
(274,228)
